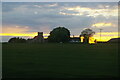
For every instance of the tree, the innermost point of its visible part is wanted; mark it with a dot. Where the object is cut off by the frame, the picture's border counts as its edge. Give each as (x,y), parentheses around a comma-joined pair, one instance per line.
(17,40)
(59,34)
(86,34)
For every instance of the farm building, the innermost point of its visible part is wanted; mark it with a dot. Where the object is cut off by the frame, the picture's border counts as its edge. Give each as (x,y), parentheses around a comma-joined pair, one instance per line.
(75,39)
(37,39)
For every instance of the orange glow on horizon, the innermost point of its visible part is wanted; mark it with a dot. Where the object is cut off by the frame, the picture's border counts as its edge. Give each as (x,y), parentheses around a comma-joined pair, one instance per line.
(105,36)
(22,34)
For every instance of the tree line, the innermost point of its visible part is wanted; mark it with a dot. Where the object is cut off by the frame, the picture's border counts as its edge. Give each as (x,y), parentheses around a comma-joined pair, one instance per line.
(59,34)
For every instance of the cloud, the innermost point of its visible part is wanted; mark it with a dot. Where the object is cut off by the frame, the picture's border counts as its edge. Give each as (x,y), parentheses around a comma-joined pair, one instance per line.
(52,5)
(90,11)
(100,25)
(61,1)
(71,13)
(47,5)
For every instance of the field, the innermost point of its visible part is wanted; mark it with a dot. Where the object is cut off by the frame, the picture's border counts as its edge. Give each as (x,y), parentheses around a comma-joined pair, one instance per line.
(60,60)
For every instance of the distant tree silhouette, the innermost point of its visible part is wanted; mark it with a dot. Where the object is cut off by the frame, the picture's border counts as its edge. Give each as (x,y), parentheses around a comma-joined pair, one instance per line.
(86,34)
(114,40)
(59,34)
(17,40)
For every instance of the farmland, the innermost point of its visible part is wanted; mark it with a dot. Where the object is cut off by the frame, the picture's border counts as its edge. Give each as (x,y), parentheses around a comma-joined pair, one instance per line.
(60,60)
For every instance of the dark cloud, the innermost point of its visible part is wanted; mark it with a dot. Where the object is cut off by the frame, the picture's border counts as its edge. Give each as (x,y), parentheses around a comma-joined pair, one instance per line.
(36,15)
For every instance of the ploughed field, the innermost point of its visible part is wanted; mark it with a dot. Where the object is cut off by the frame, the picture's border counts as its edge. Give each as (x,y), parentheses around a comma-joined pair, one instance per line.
(60,60)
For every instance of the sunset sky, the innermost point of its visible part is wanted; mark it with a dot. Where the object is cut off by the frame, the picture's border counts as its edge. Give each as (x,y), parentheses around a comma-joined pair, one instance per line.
(24,19)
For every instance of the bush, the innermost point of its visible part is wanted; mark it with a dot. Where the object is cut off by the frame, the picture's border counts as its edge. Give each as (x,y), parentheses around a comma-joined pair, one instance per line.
(17,40)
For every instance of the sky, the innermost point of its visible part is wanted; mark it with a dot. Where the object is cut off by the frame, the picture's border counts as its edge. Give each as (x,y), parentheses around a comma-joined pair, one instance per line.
(60,0)
(24,19)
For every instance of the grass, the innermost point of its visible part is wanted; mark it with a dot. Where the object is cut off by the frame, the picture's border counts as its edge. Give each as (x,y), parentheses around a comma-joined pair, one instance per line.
(60,60)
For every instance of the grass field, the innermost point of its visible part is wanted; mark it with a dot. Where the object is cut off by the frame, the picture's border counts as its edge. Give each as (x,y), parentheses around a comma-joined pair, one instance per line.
(60,60)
